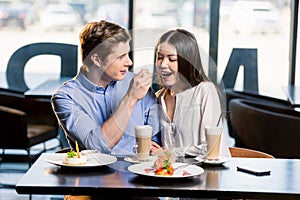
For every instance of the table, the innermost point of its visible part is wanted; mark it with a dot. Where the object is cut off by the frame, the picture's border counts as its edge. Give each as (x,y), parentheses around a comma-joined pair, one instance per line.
(223,182)
(46,89)
(293,93)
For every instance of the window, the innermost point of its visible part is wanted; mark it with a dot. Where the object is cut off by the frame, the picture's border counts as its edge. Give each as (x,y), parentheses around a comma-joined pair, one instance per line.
(267,30)
(263,25)
(25,22)
(152,19)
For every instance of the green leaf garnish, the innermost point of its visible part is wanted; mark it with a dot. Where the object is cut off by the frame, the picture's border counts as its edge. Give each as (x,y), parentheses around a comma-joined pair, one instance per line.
(71,154)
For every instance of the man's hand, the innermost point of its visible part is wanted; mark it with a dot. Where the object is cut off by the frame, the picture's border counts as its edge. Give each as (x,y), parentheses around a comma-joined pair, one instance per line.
(140,85)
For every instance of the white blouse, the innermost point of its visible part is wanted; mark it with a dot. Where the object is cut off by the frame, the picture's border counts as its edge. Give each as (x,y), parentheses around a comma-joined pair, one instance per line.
(195,109)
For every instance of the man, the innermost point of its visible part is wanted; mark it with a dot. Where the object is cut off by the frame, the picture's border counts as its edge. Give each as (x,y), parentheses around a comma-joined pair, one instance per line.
(102,104)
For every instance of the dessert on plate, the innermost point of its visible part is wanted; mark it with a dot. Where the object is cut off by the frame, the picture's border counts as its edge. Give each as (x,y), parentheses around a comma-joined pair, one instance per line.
(163,165)
(75,158)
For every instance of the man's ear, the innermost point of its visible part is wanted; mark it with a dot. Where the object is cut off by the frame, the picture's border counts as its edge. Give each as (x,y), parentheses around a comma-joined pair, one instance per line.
(96,60)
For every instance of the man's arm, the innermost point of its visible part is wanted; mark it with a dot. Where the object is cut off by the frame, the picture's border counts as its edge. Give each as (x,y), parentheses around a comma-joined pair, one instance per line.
(114,128)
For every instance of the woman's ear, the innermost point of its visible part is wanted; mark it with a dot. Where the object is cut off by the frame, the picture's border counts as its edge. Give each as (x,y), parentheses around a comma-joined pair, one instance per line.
(96,60)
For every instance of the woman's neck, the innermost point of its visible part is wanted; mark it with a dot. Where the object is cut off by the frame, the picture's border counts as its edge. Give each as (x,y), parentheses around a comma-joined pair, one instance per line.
(178,88)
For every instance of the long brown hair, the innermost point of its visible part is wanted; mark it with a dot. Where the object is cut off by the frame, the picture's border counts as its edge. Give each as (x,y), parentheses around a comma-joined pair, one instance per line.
(188,57)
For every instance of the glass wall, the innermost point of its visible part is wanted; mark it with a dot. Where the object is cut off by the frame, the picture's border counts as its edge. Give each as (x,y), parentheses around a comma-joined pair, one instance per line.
(297,76)
(153,18)
(262,24)
(23,22)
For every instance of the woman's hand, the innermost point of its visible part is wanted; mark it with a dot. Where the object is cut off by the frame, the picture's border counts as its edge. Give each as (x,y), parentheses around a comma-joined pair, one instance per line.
(155,148)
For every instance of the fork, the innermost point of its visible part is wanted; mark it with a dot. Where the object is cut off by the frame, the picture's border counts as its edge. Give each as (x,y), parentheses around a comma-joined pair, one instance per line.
(181,167)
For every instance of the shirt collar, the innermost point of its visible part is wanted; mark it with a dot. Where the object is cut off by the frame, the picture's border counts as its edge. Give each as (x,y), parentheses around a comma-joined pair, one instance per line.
(90,85)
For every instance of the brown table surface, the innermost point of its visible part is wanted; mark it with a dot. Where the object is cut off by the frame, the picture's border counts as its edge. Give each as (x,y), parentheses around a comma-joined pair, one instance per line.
(222,182)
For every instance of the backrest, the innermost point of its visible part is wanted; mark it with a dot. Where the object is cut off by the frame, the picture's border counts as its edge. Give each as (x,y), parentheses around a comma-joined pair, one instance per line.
(246,58)
(247,153)
(271,102)
(265,128)
(64,150)
(13,128)
(38,112)
(11,98)
(232,94)
(17,62)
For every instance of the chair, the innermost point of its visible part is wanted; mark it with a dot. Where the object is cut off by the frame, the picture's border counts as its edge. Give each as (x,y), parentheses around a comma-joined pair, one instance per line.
(25,123)
(246,58)
(232,94)
(16,64)
(64,150)
(16,133)
(247,153)
(265,127)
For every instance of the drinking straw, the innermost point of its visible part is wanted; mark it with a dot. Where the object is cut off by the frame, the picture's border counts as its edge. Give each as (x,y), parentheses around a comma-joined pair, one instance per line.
(219,118)
(222,113)
(147,117)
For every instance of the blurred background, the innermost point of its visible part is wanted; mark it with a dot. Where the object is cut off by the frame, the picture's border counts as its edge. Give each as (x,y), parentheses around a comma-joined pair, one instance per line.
(263,24)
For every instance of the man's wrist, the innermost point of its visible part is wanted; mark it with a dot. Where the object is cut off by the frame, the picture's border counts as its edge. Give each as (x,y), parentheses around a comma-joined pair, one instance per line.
(129,101)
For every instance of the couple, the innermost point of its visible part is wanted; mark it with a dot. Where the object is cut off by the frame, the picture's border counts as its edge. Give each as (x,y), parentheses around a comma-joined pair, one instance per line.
(100,107)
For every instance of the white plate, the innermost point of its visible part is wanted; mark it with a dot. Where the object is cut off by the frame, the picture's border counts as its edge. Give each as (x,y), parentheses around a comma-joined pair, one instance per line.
(93,160)
(134,159)
(220,161)
(141,169)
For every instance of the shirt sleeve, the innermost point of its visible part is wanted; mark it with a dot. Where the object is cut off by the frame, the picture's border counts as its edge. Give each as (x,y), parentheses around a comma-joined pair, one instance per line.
(210,107)
(77,125)
(154,116)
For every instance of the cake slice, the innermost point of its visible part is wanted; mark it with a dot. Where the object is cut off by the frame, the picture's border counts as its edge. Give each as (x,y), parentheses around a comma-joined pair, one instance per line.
(72,158)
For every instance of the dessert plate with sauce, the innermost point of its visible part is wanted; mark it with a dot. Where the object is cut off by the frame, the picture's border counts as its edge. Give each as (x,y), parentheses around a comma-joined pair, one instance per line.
(219,161)
(182,170)
(134,159)
(93,160)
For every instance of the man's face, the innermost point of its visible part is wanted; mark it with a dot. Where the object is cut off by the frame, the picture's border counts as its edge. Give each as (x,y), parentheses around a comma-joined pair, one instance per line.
(117,63)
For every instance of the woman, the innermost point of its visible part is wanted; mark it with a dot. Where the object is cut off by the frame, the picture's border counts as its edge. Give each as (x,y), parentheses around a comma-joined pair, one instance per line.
(189,100)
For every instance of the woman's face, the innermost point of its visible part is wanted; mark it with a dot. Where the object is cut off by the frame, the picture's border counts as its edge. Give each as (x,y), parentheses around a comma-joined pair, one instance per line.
(167,64)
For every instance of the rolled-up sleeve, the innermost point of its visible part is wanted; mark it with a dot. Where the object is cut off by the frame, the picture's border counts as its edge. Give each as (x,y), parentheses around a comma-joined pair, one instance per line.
(82,107)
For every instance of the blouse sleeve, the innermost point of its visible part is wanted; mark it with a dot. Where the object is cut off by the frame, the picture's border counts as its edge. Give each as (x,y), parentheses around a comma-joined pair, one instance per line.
(210,111)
